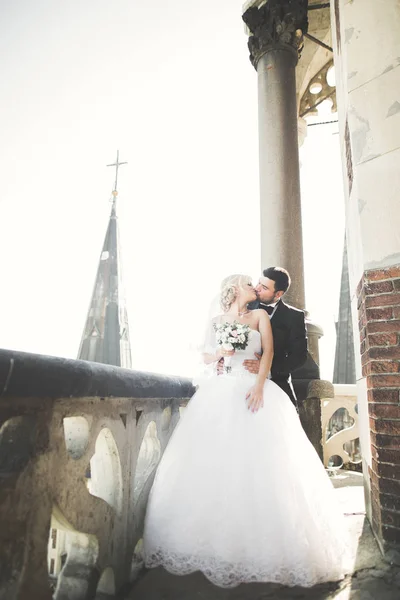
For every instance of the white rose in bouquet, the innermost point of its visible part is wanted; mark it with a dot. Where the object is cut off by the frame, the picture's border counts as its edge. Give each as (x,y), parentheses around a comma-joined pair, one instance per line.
(231,336)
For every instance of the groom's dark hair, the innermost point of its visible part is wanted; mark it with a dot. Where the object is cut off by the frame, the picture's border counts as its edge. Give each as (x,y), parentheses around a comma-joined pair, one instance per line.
(280,276)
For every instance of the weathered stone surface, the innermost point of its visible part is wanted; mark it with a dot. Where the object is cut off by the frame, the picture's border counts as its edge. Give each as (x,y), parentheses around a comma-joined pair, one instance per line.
(320,389)
(79,444)
(361,586)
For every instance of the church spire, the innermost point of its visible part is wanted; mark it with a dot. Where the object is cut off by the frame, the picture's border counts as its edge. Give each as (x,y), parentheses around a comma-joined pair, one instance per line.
(105,336)
(344,369)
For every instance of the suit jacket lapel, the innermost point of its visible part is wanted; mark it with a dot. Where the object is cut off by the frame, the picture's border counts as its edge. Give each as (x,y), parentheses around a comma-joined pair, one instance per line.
(278,311)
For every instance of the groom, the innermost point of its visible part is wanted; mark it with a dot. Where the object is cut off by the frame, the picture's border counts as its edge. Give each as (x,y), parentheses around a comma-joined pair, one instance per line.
(288,329)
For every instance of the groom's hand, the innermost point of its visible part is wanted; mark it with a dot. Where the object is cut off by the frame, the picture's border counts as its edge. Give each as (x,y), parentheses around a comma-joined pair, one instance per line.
(253,366)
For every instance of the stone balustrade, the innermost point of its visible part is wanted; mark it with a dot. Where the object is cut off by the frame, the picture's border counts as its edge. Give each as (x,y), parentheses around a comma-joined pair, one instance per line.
(79,443)
(330,418)
(340,429)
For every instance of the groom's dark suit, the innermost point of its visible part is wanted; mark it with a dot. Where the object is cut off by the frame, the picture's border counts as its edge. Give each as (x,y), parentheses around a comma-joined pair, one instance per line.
(290,344)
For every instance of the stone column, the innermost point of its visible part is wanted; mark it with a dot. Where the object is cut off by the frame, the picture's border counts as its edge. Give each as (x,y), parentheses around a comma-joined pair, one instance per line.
(275,40)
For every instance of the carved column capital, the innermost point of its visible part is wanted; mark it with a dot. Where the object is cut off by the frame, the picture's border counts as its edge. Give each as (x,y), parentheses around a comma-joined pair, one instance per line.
(276,24)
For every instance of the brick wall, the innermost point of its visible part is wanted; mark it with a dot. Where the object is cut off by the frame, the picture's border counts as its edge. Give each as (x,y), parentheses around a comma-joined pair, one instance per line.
(379,323)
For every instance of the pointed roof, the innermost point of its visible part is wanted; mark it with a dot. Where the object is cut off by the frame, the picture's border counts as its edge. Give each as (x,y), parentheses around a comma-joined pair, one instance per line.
(105,336)
(344,369)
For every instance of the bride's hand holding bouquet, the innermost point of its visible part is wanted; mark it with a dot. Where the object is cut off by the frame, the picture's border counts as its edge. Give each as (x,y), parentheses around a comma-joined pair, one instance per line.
(231,337)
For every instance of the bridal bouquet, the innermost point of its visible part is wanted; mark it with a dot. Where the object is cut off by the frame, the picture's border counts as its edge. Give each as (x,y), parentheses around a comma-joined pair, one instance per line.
(231,336)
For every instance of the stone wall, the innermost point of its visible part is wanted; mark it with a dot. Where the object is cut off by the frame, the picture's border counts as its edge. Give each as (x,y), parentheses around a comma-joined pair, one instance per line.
(79,444)
(366,48)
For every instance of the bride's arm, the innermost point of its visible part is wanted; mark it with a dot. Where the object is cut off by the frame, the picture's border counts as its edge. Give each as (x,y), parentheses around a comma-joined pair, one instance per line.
(255,394)
(267,344)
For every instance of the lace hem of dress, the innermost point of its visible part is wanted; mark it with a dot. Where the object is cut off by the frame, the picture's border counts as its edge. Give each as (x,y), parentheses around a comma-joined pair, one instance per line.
(228,575)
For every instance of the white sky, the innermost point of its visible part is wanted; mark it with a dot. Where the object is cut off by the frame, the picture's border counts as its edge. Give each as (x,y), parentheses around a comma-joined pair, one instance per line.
(170,85)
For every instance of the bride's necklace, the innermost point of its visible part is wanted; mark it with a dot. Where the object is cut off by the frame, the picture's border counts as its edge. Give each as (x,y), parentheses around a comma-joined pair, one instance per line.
(245,312)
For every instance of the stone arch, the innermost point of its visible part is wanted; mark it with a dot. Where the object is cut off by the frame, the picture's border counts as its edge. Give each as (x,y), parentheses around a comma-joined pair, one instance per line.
(105,471)
(341,435)
(148,458)
(341,419)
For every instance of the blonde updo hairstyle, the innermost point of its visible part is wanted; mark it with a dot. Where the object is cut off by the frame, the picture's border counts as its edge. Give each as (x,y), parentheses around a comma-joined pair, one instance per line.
(230,288)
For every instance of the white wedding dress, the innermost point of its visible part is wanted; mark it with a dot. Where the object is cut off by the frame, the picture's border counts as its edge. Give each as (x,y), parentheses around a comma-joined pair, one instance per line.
(243,496)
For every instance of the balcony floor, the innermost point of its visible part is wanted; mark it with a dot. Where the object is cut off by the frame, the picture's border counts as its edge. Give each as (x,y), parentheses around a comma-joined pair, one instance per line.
(372,577)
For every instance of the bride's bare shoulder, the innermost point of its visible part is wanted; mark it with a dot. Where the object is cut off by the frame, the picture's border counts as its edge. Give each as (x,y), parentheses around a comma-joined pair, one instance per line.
(262,318)
(260,313)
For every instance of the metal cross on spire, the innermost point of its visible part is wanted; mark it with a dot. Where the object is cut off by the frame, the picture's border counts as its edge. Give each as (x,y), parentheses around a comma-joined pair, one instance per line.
(117,164)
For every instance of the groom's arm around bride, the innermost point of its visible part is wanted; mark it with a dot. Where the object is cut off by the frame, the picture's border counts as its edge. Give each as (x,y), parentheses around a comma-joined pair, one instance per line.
(288,328)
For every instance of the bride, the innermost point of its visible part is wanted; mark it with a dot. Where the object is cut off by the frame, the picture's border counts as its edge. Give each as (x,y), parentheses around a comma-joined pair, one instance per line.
(240,493)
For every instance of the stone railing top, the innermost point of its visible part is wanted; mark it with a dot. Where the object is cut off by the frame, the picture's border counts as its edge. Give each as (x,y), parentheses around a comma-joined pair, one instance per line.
(34,375)
(345,389)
